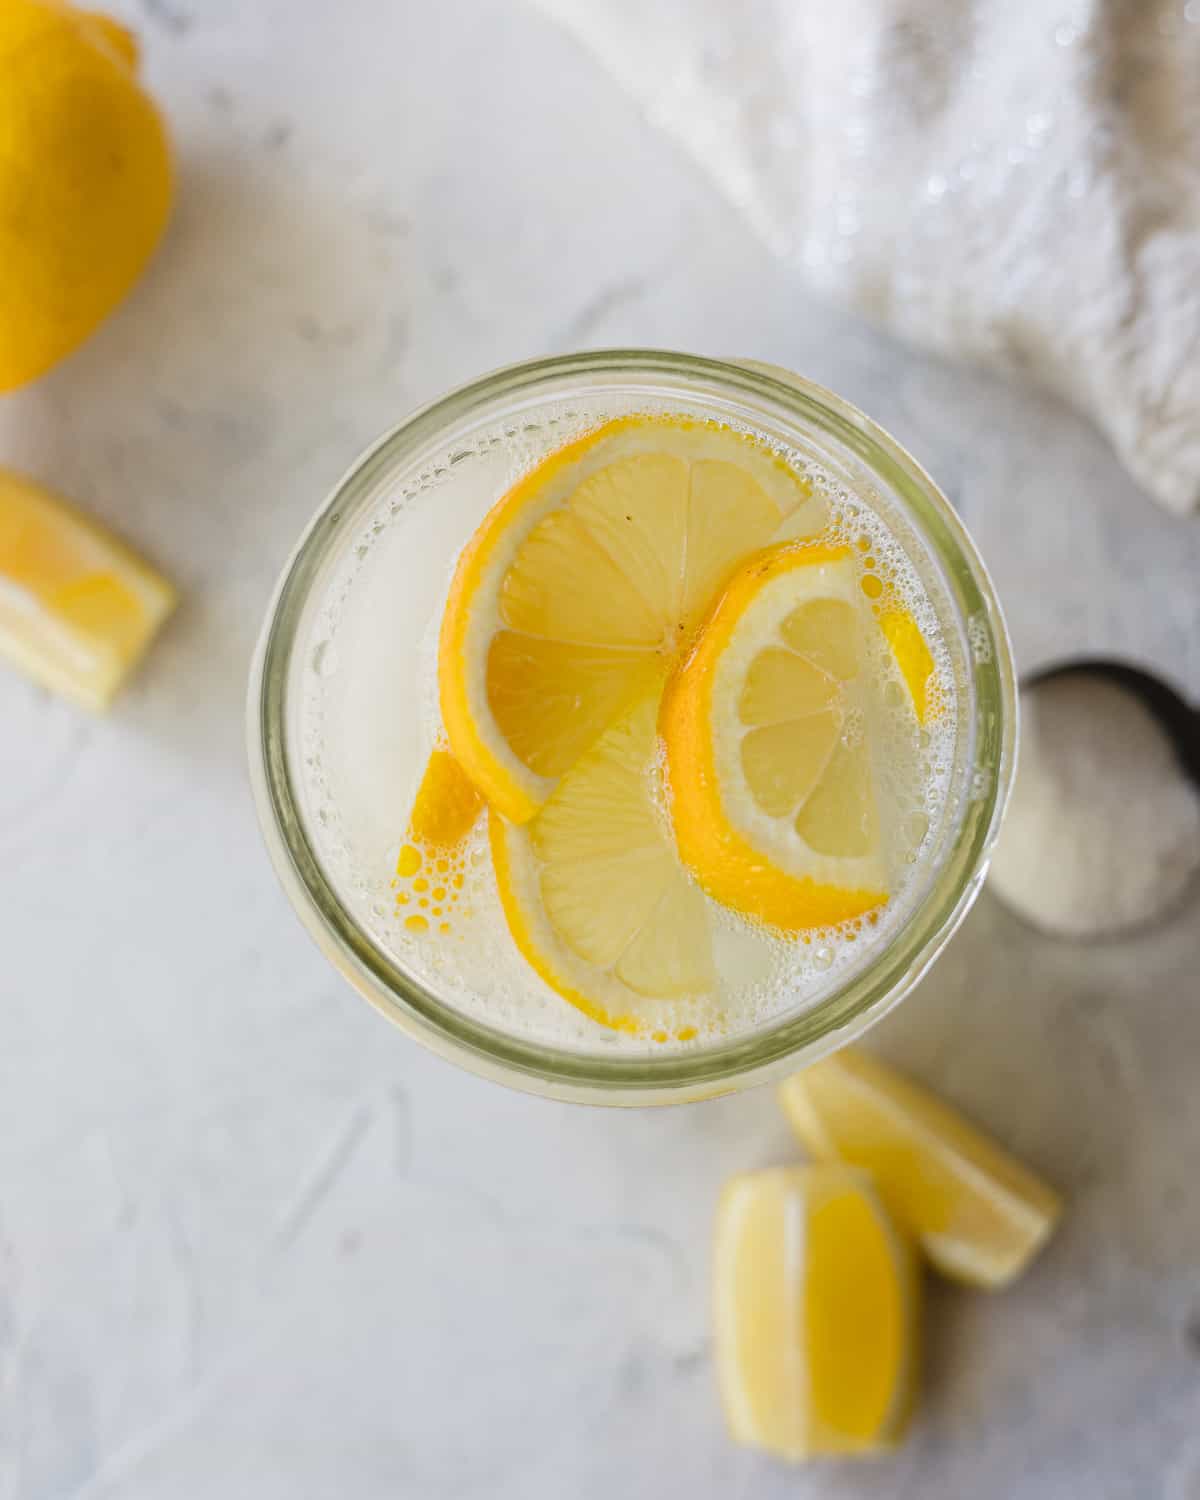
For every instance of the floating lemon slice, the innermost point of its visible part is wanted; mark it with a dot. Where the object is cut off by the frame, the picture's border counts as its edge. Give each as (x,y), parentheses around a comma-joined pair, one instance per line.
(979,1215)
(582,584)
(429,868)
(914,660)
(594,895)
(77,608)
(768,759)
(816,1313)
(446,805)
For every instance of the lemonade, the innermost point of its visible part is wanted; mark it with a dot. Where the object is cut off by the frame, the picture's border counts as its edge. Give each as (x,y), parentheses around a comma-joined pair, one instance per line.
(628,722)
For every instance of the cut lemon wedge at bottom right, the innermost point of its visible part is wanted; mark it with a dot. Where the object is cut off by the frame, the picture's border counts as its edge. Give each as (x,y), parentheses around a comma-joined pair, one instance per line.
(816,1313)
(979,1215)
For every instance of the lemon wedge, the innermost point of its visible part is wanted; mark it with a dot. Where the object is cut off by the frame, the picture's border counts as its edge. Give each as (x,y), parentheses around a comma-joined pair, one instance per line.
(594,896)
(816,1306)
(768,760)
(77,608)
(582,584)
(979,1215)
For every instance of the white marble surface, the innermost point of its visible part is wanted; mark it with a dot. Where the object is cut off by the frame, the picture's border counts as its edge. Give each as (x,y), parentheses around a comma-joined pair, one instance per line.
(251,1242)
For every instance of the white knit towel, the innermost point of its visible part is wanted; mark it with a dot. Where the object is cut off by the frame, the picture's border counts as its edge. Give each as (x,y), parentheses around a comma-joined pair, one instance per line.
(1012,181)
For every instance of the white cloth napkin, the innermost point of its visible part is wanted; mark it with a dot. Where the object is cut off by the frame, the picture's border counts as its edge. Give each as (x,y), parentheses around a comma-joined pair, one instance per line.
(1012,181)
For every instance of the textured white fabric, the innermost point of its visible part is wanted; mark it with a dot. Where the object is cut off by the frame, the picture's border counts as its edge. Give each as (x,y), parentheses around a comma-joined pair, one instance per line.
(1012,181)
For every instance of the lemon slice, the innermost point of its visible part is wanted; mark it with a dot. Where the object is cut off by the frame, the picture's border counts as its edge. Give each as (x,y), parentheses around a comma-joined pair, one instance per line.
(446,805)
(580,586)
(914,660)
(429,868)
(77,608)
(594,895)
(816,1304)
(979,1214)
(769,765)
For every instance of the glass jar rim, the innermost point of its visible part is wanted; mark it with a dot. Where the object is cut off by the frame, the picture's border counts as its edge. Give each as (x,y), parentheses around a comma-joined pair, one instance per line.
(713,1068)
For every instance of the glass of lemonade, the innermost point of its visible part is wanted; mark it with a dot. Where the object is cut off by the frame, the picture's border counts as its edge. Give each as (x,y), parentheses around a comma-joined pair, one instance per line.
(630,727)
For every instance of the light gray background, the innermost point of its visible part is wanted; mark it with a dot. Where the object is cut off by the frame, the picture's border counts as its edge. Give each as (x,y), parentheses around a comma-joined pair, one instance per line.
(254,1244)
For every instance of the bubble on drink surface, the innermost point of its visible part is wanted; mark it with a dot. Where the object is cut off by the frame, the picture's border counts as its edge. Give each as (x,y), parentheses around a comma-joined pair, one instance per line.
(981,783)
(980,638)
(324,659)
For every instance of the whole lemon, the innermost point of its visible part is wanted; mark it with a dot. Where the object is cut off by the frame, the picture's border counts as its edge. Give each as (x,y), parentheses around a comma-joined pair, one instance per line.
(85,179)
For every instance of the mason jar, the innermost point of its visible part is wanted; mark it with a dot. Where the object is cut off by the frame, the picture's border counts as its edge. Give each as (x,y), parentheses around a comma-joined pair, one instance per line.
(340,703)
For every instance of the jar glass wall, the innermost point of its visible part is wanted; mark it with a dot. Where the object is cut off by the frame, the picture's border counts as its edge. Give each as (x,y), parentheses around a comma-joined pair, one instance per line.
(415,497)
